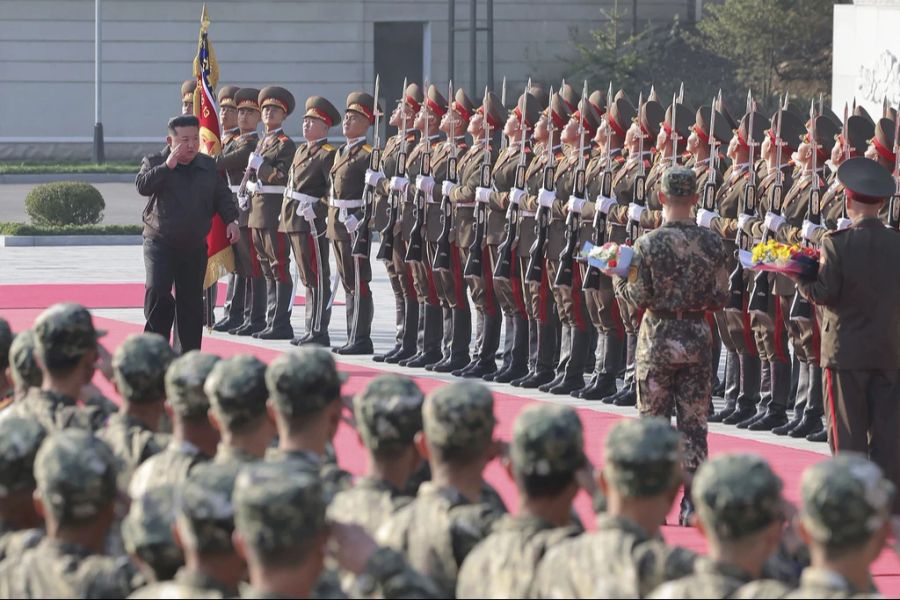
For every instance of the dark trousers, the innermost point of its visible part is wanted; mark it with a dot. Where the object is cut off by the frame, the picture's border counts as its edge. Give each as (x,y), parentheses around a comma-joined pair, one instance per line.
(184,269)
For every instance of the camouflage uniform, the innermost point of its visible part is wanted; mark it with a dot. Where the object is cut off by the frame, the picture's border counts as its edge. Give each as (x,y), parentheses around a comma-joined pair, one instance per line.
(25,371)
(147,532)
(303,382)
(139,367)
(19,442)
(641,459)
(237,393)
(441,526)
(6,338)
(184,392)
(547,440)
(279,507)
(677,274)
(76,478)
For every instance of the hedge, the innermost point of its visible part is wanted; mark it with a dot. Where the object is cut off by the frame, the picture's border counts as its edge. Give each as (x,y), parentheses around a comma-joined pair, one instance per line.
(29,229)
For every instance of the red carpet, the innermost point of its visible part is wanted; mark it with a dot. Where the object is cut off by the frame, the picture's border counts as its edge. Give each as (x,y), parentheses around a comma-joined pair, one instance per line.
(787,462)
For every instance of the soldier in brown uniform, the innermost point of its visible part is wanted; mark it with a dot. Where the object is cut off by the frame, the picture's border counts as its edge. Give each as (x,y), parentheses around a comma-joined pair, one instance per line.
(303,216)
(344,213)
(858,287)
(187,96)
(601,302)
(237,143)
(405,299)
(270,163)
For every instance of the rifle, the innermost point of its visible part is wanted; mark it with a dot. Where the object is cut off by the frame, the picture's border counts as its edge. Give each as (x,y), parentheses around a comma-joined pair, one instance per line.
(710,189)
(747,205)
(386,250)
(592,275)
(503,141)
(761,292)
(639,196)
(414,250)
(503,268)
(474,268)
(442,255)
(845,132)
(535,269)
(801,309)
(362,235)
(573,219)
(894,205)
(675,136)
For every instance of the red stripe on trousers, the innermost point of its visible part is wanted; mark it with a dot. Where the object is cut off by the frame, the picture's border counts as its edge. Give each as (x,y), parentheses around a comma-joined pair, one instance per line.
(487,276)
(432,290)
(516,284)
(578,310)
(780,351)
(746,330)
(829,391)
(410,282)
(313,250)
(255,269)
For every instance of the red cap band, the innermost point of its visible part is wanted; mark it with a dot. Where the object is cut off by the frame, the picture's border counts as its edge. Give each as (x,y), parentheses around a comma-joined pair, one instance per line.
(436,108)
(615,126)
(883,151)
(461,110)
(362,109)
(861,197)
(413,103)
(701,134)
(319,115)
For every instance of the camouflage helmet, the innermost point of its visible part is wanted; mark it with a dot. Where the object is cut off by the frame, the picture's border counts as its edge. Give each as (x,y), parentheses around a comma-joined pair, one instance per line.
(737,495)
(278,506)
(20,440)
(459,416)
(65,332)
(147,531)
(303,381)
(547,440)
(25,371)
(236,388)
(845,500)
(184,383)
(204,508)
(642,456)
(679,181)
(75,474)
(389,412)
(139,367)
(6,338)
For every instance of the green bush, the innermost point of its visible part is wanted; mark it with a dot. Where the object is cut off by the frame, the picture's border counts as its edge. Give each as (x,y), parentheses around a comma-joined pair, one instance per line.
(64,203)
(28,229)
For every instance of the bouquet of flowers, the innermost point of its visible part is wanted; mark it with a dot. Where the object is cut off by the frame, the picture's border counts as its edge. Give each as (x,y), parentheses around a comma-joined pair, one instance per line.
(782,258)
(611,258)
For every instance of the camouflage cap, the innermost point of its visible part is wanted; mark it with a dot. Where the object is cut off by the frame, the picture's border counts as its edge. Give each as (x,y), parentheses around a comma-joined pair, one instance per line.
(547,440)
(75,474)
(184,383)
(65,332)
(304,380)
(25,370)
(20,440)
(139,367)
(278,506)
(737,495)
(204,508)
(459,415)
(389,412)
(6,338)
(641,456)
(236,389)
(679,181)
(147,529)
(845,500)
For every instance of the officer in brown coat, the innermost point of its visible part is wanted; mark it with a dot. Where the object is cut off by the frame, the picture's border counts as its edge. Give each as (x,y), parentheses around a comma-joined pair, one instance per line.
(858,288)
(187,96)
(345,211)
(303,215)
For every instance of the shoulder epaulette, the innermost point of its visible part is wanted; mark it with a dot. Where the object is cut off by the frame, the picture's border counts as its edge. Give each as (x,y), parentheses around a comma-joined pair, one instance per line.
(367,147)
(328,147)
(283,136)
(619,158)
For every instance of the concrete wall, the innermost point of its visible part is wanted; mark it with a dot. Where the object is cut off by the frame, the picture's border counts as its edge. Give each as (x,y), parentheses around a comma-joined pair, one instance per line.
(309,46)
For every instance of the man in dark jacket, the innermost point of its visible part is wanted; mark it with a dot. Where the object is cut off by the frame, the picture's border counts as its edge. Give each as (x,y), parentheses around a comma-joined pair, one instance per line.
(185,191)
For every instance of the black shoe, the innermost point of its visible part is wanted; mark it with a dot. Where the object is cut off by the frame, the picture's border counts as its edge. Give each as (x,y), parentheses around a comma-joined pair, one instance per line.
(558,379)
(590,384)
(719,390)
(770,421)
(807,426)
(274,334)
(432,366)
(493,376)
(510,375)
(480,370)
(424,359)
(249,330)
(746,423)
(394,359)
(462,370)
(405,362)
(604,386)
(381,357)
(302,338)
(451,365)
(611,399)
(260,332)
(720,415)
(787,427)
(567,386)
(739,415)
(227,324)
(537,379)
(360,347)
(629,398)
(518,382)
(687,511)
(819,436)
(321,339)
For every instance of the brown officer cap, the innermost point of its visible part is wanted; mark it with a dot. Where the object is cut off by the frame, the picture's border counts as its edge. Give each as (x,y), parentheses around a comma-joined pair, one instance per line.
(558,112)
(683,119)
(860,111)
(247,98)
(463,105)
(413,96)
(277,96)
(883,140)
(865,180)
(589,115)
(826,131)
(702,120)
(570,97)
(226,95)
(760,124)
(362,103)
(598,99)
(187,90)
(829,114)
(860,131)
(620,116)
(532,110)
(435,101)
(792,131)
(650,118)
(493,111)
(539,92)
(723,108)
(621,95)
(318,107)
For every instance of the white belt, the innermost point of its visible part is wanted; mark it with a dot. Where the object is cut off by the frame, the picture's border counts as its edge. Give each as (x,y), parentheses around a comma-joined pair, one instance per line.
(256,188)
(432,201)
(528,213)
(234,189)
(304,198)
(345,204)
(465,204)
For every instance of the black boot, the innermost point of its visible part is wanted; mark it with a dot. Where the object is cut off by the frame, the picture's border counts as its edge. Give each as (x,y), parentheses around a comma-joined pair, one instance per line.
(818,436)
(410,333)
(271,305)
(487,362)
(544,335)
(508,341)
(518,365)
(777,376)
(751,377)
(446,341)
(234,308)
(256,318)
(565,347)
(609,353)
(795,395)
(433,336)
(459,345)
(420,336)
(732,383)
(309,311)
(628,396)
(718,385)
(573,375)
(811,421)
(628,393)
(687,508)
(281,320)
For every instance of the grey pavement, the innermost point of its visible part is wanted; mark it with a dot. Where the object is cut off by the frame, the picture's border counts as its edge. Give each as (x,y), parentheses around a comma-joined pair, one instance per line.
(99,264)
(123,204)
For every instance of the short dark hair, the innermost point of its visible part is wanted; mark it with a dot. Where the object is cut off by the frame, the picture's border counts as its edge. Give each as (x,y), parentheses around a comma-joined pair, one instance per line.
(183,121)
(545,486)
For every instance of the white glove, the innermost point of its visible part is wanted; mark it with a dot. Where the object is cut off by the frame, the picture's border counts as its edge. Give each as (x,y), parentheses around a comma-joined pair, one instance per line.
(306,211)
(706,217)
(447,187)
(425,184)
(604,204)
(244,202)
(575,204)
(635,211)
(398,184)
(351,223)
(373,177)
(482,195)
(843,223)
(516,196)
(773,222)
(743,219)
(546,198)
(808,229)
(254,161)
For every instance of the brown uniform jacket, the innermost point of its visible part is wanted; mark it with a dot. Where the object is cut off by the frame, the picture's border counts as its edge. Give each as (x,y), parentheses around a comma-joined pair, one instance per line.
(534,181)
(348,181)
(413,169)
(277,150)
(623,188)
(463,196)
(858,288)
(233,161)
(440,163)
(564,178)
(310,172)
(389,162)
(503,176)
